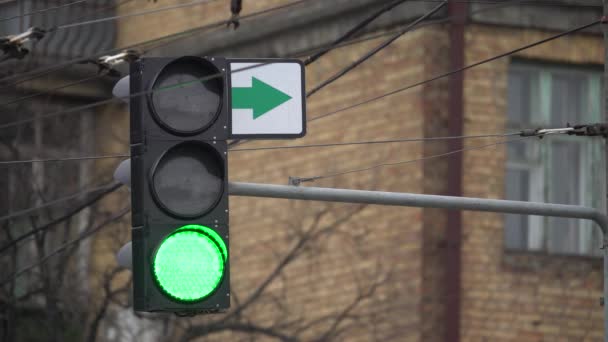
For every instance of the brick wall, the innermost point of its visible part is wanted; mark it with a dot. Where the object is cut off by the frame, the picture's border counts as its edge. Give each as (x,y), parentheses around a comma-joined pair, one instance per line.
(375,240)
(500,301)
(143,28)
(506,296)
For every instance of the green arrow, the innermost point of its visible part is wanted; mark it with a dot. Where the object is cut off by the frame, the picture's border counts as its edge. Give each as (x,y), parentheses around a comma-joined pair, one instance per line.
(261,97)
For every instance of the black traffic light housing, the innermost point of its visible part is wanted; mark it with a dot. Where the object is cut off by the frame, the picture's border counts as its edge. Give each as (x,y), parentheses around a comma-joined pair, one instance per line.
(179,173)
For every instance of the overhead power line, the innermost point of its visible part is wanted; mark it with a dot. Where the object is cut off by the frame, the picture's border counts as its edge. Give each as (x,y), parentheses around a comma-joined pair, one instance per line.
(428,22)
(196,30)
(54,202)
(340,42)
(130,15)
(174,36)
(452,72)
(368,55)
(61,248)
(524,3)
(356,29)
(94,198)
(374,142)
(123,98)
(16,162)
(309,60)
(67,85)
(43,10)
(352,143)
(202,79)
(298,180)
(374,51)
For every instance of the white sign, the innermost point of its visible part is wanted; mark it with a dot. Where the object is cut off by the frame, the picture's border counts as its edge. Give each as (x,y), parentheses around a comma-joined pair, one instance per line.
(268,98)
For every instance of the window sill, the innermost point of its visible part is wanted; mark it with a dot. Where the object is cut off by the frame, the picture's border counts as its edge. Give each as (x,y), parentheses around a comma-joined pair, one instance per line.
(524,261)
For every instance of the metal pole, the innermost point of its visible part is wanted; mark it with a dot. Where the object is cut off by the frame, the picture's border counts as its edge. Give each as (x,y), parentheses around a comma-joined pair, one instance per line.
(417,200)
(605,108)
(434,201)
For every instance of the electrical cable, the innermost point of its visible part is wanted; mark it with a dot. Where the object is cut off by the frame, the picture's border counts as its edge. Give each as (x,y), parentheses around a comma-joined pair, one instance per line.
(361,25)
(423,159)
(95,198)
(368,142)
(45,92)
(122,98)
(373,142)
(311,59)
(43,10)
(222,23)
(368,55)
(374,51)
(174,36)
(449,73)
(16,162)
(77,240)
(526,3)
(129,15)
(57,201)
(421,25)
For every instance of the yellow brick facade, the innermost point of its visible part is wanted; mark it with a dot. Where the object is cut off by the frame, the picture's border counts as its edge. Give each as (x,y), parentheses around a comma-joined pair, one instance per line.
(504,297)
(499,302)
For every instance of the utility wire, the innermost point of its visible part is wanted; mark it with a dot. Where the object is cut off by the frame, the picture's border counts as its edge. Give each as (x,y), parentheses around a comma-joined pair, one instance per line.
(95,198)
(67,85)
(222,23)
(235,142)
(374,50)
(525,3)
(310,59)
(423,159)
(353,31)
(61,248)
(129,15)
(452,72)
(368,142)
(368,55)
(312,54)
(598,129)
(175,36)
(421,25)
(17,162)
(50,203)
(43,10)
(373,142)
(123,98)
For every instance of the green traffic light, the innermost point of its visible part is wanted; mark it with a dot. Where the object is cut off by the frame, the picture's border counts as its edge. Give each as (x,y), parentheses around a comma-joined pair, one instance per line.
(189,263)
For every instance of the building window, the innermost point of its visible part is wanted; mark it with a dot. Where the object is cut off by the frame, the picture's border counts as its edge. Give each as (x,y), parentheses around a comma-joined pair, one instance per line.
(561,169)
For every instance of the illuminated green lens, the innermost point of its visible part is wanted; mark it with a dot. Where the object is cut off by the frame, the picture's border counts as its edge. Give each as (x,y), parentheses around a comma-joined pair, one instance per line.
(215,236)
(189,264)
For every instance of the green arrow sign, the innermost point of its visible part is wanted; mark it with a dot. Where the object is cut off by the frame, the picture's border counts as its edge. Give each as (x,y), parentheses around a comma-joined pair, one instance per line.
(261,97)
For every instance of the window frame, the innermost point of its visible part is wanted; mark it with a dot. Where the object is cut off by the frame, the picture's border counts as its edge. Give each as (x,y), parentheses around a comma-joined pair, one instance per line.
(537,235)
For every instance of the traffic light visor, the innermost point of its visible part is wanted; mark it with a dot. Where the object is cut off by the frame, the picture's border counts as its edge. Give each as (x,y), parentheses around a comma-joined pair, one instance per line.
(187,95)
(189,264)
(188,180)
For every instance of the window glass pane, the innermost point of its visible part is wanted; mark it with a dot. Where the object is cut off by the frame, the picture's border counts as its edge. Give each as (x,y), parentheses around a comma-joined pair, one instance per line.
(12,8)
(519,97)
(560,170)
(565,183)
(516,226)
(568,98)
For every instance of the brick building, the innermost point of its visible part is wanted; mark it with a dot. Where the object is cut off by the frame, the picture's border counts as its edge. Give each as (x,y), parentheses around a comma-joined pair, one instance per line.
(435,275)
(518,278)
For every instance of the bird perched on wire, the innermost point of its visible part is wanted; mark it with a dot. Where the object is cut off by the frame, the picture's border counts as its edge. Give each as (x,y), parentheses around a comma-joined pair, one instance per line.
(235,8)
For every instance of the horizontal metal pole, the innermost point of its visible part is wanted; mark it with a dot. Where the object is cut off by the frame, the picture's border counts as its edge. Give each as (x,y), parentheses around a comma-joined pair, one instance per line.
(418,200)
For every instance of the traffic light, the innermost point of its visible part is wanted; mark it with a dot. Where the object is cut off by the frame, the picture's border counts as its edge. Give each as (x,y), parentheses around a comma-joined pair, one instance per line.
(179,184)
